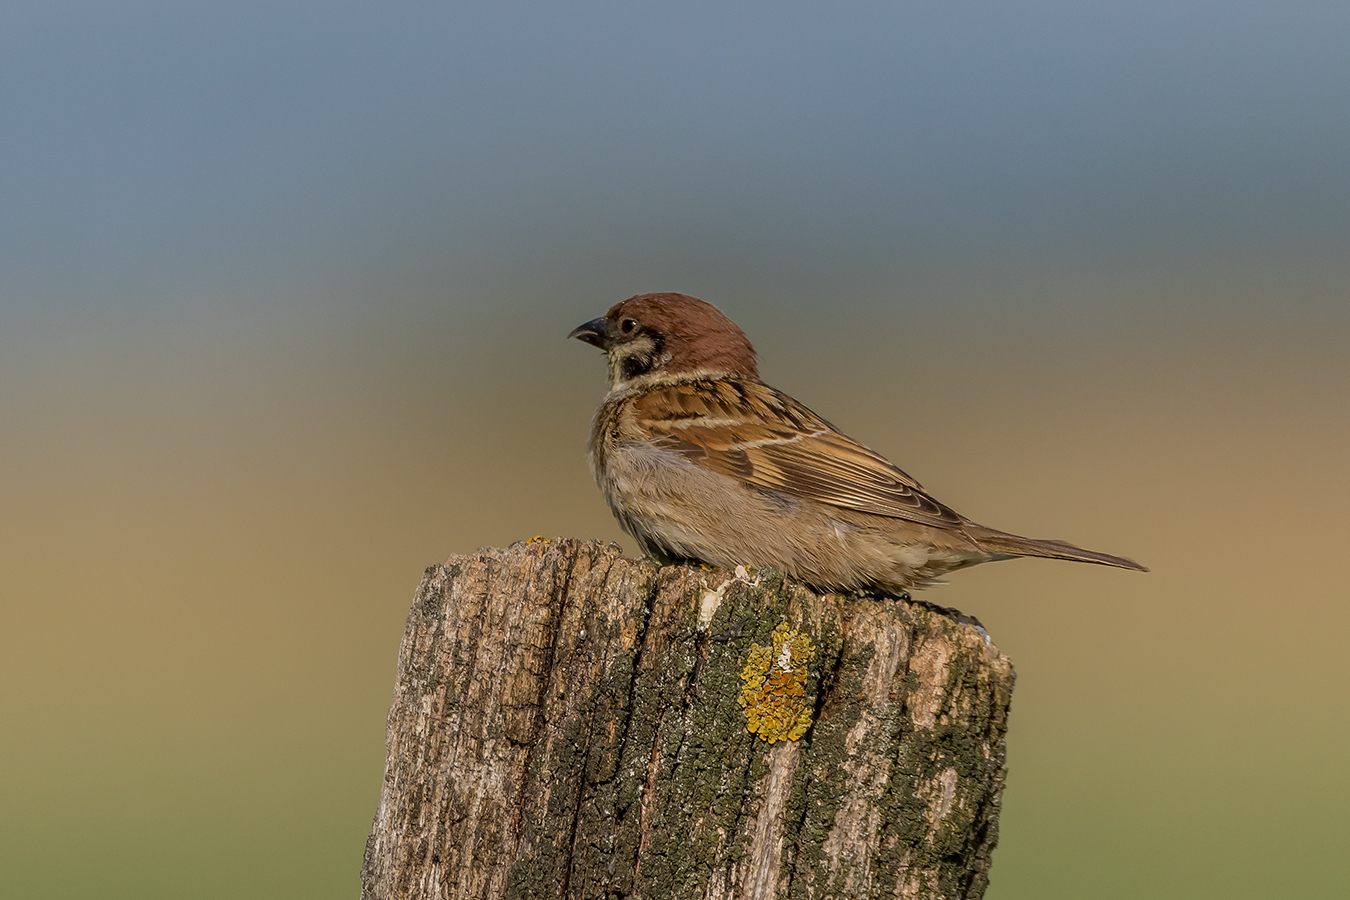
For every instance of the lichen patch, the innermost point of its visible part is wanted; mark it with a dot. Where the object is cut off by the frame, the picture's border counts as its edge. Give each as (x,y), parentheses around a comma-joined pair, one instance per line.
(774,692)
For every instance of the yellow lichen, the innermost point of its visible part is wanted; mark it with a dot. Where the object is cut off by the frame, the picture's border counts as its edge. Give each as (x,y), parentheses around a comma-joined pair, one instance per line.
(774,695)
(538,539)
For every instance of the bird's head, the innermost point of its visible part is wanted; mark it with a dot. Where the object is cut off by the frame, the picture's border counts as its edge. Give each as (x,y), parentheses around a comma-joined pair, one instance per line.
(656,337)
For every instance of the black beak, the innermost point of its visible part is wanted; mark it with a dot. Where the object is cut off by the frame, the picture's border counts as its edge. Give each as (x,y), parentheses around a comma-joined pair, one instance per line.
(596,332)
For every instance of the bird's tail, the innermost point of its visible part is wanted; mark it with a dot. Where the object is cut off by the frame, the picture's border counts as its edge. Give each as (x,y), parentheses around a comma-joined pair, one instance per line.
(1002,543)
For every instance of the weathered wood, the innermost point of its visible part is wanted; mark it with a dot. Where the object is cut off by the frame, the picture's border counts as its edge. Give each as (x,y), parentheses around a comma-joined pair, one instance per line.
(566,724)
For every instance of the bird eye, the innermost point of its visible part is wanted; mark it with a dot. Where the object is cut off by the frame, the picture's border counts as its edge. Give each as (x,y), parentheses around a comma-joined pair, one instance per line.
(627,325)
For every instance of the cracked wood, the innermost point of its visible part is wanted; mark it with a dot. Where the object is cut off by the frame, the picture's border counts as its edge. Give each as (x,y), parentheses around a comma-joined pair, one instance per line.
(565,725)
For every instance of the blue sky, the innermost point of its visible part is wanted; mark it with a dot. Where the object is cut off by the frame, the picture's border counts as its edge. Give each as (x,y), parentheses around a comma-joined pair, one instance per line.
(241,147)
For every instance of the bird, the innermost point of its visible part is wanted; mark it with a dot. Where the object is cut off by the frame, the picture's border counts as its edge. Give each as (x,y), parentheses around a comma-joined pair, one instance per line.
(701,461)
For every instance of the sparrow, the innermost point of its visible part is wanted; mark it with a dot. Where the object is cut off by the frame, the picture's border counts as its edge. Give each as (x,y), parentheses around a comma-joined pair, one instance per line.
(700,460)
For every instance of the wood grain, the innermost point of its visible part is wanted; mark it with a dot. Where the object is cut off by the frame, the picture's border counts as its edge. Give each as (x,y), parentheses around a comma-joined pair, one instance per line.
(565,725)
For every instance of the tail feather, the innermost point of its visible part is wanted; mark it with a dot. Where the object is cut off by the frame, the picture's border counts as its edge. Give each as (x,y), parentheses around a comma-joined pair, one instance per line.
(1015,545)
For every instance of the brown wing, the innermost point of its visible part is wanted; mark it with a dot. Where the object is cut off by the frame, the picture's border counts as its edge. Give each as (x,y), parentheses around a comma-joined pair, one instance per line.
(750,431)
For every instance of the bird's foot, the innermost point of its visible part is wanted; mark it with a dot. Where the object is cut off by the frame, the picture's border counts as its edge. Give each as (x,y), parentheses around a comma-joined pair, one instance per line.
(955,615)
(881,596)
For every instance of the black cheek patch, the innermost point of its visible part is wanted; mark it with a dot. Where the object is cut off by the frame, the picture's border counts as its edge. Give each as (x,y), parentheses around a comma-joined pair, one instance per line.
(633,366)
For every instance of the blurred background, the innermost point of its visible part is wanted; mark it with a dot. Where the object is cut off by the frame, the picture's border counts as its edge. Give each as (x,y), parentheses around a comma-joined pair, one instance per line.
(284,291)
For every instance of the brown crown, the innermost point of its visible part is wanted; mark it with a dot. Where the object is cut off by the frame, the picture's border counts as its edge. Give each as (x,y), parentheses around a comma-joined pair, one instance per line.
(697,335)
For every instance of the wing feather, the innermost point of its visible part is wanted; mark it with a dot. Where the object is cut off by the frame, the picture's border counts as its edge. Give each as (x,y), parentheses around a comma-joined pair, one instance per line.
(749,431)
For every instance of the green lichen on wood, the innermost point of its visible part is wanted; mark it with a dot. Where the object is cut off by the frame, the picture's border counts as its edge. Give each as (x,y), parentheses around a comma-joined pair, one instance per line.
(701,780)
(650,780)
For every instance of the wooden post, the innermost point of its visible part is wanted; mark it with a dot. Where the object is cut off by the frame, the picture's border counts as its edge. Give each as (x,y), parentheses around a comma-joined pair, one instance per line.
(569,723)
